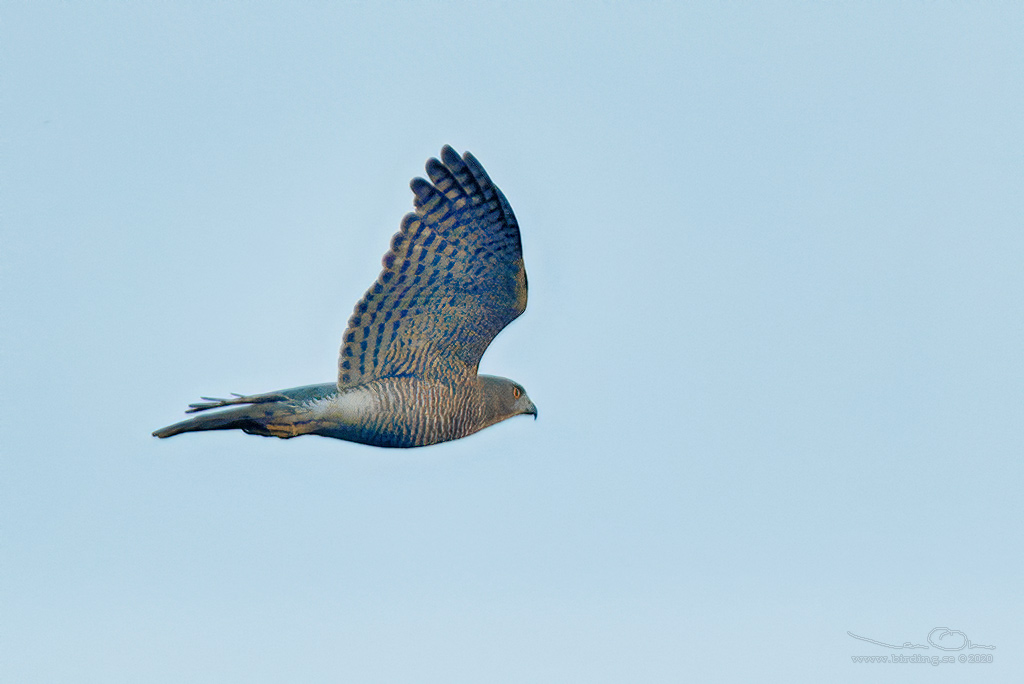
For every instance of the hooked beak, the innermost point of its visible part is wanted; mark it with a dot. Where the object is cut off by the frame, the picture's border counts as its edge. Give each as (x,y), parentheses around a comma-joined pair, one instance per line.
(531,409)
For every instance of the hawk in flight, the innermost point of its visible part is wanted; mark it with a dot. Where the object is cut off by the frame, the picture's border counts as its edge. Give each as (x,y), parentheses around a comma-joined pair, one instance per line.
(407,372)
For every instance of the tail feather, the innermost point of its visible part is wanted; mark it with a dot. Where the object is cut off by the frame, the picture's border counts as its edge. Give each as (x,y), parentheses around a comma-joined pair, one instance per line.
(214,402)
(243,418)
(274,414)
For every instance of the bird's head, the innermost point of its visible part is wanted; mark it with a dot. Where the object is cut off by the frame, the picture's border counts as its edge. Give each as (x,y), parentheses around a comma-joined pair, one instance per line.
(504,398)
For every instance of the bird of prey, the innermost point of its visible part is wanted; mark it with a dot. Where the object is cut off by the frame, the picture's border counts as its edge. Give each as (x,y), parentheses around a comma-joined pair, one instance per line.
(407,372)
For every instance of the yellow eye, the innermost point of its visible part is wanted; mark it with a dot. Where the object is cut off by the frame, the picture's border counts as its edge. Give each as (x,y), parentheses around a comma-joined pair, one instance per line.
(516,393)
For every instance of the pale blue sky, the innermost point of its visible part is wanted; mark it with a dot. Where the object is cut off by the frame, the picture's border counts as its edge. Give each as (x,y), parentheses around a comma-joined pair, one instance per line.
(775,335)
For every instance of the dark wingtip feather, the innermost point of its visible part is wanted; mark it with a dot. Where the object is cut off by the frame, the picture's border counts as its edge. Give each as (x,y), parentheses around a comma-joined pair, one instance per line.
(421,188)
(450,157)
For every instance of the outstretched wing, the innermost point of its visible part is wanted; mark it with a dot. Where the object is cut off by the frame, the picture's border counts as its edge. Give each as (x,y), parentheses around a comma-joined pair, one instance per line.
(453,278)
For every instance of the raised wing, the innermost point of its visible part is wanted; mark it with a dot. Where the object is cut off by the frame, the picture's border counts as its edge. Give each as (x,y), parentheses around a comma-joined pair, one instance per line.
(453,278)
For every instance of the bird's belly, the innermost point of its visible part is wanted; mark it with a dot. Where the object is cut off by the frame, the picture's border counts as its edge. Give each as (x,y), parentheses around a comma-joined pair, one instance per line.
(398,412)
